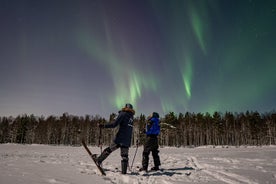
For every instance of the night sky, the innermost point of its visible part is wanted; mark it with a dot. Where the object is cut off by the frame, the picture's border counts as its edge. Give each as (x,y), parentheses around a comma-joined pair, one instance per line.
(92,57)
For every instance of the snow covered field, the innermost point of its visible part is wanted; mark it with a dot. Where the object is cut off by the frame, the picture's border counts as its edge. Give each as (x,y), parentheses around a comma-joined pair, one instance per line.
(43,164)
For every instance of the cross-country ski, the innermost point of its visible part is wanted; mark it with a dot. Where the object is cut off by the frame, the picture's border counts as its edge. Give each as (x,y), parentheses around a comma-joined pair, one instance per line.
(91,155)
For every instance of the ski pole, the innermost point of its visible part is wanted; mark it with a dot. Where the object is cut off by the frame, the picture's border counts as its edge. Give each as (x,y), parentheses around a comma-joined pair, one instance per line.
(134,154)
(100,143)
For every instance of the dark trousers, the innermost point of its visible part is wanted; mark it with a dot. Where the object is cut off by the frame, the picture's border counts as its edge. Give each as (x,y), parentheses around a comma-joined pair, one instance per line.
(151,145)
(106,152)
(124,154)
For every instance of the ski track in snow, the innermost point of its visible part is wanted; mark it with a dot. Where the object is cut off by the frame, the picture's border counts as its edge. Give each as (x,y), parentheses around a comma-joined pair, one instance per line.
(179,170)
(72,165)
(174,167)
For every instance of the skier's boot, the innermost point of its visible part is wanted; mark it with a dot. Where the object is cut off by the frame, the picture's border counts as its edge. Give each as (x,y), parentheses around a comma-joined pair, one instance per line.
(124,164)
(155,168)
(144,169)
(96,158)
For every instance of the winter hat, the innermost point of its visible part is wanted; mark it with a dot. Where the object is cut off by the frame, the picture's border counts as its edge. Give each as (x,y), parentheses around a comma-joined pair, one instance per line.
(155,115)
(129,106)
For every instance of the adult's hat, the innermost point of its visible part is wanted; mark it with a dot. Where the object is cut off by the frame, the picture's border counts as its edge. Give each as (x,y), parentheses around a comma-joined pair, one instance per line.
(128,105)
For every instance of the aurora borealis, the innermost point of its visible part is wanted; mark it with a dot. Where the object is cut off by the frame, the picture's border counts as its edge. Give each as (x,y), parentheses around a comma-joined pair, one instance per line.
(92,57)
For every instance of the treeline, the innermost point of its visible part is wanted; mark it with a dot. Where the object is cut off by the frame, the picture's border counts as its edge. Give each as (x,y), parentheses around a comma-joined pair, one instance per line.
(189,129)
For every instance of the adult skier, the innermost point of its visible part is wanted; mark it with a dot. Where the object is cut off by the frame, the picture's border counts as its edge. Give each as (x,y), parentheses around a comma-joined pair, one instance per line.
(152,131)
(123,136)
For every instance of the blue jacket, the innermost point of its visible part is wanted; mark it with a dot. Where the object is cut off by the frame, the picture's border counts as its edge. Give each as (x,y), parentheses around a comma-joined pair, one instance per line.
(125,122)
(153,127)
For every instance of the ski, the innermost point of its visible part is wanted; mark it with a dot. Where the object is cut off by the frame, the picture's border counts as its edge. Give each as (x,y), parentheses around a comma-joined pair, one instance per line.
(90,154)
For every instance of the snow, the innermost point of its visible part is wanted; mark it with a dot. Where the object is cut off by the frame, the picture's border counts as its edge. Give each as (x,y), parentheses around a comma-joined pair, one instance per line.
(44,164)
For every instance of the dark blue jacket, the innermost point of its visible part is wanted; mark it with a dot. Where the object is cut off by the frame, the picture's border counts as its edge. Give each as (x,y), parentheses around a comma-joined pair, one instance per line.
(153,127)
(125,122)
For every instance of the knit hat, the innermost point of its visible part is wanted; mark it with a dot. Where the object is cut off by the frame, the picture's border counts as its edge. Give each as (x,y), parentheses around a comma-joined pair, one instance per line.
(155,115)
(129,106)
